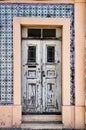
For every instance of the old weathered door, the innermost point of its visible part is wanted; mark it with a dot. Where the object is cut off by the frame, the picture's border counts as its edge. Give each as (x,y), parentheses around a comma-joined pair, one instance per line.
(41,76)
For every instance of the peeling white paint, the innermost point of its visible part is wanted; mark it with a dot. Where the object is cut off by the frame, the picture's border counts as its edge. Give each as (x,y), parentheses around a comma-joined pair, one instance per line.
(41,81)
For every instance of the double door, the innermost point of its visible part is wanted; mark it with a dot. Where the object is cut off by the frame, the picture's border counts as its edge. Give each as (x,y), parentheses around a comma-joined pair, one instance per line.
(41,76)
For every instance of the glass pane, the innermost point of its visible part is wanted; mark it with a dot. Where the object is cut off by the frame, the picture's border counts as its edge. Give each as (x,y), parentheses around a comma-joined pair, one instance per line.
(32,54)
(50,54)
(35,33)
(47,33)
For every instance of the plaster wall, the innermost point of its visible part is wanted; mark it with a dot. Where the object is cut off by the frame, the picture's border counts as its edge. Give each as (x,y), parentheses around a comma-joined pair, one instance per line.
(10,116)
(43,1)
(72,116)
(40,1)
(85,66)
(79,64)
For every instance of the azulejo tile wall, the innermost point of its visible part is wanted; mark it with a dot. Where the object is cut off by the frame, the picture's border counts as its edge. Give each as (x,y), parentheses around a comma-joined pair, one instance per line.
(7,12)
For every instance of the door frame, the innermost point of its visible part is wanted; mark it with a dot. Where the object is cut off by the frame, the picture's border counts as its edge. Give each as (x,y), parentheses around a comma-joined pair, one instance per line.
(49,22)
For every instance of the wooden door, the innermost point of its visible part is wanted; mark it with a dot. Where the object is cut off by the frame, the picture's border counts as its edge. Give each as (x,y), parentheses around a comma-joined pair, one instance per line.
(41,76)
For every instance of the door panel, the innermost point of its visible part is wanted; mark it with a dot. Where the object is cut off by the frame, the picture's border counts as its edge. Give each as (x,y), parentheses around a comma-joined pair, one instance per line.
(31,77)
(41,76)
(52,78)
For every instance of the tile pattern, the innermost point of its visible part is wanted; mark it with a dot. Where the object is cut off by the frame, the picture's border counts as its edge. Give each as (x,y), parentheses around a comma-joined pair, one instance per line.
(7,12)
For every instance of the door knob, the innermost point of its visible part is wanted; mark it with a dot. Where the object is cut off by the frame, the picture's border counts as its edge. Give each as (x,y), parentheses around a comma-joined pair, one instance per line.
(43,73)
(58,61)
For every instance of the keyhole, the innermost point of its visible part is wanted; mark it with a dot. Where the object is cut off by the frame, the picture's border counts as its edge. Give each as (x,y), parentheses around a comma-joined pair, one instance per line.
(43,74)
(58,61)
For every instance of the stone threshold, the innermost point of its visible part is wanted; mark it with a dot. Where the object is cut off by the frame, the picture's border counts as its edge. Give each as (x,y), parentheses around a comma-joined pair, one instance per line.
(38,129)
